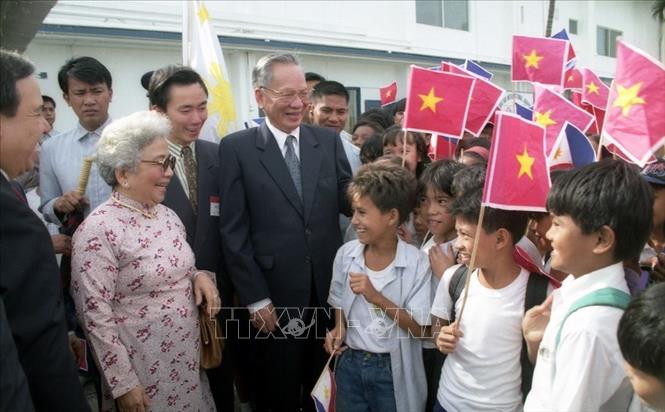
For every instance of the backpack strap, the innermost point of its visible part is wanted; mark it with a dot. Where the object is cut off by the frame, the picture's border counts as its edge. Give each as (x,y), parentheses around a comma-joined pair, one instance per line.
(602,297)
(456,287)
(536,293)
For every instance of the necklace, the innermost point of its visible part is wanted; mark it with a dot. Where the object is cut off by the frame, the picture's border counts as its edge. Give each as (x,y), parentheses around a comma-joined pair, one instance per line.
(136,209)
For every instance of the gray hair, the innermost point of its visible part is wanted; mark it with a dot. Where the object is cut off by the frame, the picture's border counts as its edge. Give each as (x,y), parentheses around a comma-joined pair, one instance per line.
(262,73)
(123,141)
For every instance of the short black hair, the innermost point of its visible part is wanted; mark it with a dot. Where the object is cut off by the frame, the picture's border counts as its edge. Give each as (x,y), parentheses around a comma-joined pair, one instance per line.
(371,149)
(440,175)
(388,185)
(328,88)
(641,332)
(467,206)
(48,99)
(609,192)
(469,178)
(86,69)
(159,90)
(13,67)
(379,116)
(314,77)
(399,106)
(378,129)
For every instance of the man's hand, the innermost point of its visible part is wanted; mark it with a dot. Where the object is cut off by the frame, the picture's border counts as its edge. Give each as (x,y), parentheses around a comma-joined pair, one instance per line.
(404,233)
(62,244)
(68,202)
(533,326)
(134,401)
(76,347)
(334,341)
(205,289)
(448,337)
(361,285)
(441,258)
(265,319)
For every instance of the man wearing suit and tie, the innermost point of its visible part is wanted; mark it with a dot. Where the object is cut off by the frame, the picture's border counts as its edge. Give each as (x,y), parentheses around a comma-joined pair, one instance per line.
(282,187)
(179,93)
(29,275)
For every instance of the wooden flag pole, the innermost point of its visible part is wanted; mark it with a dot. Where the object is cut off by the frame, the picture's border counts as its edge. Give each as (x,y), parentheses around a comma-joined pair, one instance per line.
(404,148)
(472,264)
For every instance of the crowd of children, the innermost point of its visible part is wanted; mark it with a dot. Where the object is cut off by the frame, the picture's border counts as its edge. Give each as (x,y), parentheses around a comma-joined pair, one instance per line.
(543,303)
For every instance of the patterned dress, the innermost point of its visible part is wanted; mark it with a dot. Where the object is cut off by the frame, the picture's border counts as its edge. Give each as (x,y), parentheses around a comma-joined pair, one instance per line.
(132,284)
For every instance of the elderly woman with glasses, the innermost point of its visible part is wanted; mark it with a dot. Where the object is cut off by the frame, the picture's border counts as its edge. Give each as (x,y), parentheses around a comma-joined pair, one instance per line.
(133,278)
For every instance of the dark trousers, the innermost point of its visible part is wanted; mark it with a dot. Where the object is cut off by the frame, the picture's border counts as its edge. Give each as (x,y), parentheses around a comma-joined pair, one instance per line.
(433,362)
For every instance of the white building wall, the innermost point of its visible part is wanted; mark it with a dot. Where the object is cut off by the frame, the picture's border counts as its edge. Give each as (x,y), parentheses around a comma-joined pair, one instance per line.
(388,25)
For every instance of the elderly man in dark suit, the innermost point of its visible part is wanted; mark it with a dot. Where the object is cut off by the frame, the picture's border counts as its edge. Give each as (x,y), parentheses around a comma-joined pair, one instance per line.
(29,274)
(179,93)
(282,187)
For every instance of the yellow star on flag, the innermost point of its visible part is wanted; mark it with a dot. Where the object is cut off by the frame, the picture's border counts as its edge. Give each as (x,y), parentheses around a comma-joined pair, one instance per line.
(544,119)
(628,97)
(525,162)
(430,100)
(571,78)
(532,59)
(389,93)
(592,88)
(203,13)
(221,100)
(558,153)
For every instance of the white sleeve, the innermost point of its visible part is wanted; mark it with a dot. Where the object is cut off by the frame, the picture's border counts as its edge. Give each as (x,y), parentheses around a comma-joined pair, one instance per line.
(443,304)
(418,302)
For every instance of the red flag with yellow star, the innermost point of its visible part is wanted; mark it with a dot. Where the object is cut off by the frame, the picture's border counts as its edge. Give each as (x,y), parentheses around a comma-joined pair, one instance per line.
(485,98)
(437,102)
(594,90)
(635,115)
(388,94)
(573,79)
(551,110)
(539,59)
(517,173)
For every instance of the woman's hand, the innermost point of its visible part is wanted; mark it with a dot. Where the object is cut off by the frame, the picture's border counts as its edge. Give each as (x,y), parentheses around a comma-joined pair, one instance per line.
(134,401)
(205,289)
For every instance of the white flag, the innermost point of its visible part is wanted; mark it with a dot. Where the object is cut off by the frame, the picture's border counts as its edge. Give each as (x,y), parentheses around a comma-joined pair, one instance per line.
(202,52)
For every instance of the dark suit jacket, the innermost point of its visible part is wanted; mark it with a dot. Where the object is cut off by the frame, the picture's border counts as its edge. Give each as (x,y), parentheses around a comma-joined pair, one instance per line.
(32,295)
(274,243)
(202,233)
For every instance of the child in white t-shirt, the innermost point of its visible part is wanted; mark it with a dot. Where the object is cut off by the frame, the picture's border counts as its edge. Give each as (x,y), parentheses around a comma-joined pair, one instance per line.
(381,294)
(482,371)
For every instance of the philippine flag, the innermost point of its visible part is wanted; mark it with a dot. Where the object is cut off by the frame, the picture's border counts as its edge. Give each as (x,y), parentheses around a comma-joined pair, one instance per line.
(323,393)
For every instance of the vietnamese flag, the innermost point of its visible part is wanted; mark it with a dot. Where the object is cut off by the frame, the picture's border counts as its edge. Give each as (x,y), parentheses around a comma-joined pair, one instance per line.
(635,114)
(573,79)
(437,102)
(485,98)
(441,147)
(594,90)
(551,110)
(598,114)
(517,171)
(539,59)
(388,94)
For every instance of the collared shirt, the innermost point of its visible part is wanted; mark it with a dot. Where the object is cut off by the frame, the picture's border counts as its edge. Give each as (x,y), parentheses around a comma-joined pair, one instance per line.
(585,372)
(176,151)
(280,136)
(60,165)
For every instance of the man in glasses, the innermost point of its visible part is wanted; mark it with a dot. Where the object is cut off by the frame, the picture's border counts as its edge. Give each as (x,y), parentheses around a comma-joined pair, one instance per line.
(283,185)
(181,95)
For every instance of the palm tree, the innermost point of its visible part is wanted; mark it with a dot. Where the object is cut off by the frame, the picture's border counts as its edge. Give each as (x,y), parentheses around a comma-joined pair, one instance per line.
(658,11)
(550,17)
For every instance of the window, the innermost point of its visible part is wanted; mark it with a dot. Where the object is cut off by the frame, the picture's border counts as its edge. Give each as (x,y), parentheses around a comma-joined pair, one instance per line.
(452,14)
(572,26)
(354,108)
(606,41)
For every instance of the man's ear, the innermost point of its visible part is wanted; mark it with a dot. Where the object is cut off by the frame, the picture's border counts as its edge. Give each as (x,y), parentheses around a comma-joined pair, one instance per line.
(110,94)
(394,217)
(157,109)
(66,97)
(258,95)
(605,240)
(503,239)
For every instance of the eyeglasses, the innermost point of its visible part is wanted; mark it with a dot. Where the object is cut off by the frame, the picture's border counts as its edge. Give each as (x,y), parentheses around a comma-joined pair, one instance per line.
(290,95)
(169,161)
